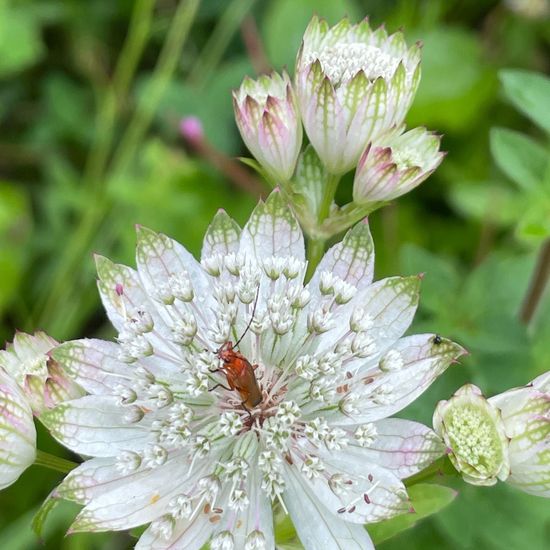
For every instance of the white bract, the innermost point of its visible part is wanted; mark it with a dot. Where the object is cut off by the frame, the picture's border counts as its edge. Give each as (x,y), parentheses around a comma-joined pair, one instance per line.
(17,432)
(354,85)
(269,123)
(401,164)
(526,416)
(42,380)
(171,447)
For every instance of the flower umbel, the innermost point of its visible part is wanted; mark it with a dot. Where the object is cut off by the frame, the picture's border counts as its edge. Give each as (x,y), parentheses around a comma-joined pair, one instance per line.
(385,173)
(17,432)
(42,380)
(354,86)
(473,430)
(173,447)
(269,123)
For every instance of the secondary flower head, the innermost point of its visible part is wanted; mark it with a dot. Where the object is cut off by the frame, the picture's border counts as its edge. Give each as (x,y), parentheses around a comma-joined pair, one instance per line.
(354,85)
(268,119)
(389,171)
(173,444)
(526,417)
(42,380)
(473,431)
(17,432)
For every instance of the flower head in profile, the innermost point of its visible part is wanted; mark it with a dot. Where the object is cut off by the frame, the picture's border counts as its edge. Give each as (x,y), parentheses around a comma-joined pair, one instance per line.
(42,380)
(173,446)
(525,413)
(17,432)
(269,122)
(354,86)
(404,162)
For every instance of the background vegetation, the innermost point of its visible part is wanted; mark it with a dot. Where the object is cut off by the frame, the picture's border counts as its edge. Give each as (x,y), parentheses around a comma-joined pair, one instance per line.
(91,95)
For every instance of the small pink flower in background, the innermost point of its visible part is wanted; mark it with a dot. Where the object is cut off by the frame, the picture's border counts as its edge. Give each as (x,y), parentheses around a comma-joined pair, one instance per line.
(269,123)
(354,86)
(17,432)
(42,380)
(394,167)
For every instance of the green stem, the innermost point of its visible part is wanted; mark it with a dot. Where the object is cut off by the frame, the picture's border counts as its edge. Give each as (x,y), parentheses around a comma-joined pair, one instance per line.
(97,211)
(330,190)
(315,251)
(219,40)
(434,470)
(316,245)
(54,462)
(167,63)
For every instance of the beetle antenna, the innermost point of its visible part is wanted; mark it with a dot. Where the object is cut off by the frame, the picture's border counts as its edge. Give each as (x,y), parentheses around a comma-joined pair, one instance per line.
(251,318)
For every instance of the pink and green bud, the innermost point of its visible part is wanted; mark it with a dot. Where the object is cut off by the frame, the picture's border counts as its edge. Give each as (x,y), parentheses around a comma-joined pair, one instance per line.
(354,86)
(526,417)
(267,116)
(17,432)
(388,171)
(473,430)
(42,380)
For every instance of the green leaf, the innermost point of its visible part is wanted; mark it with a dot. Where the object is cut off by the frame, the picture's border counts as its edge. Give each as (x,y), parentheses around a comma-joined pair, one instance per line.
(521,158)
(456,85)
(20,40)
(426,499)
(487,202)
(529,92)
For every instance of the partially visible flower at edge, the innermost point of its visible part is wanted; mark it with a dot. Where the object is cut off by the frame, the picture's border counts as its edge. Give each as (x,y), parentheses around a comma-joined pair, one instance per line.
(354,86)
(268,120)
(506,437)
(401,164)
(41,379)
(17,432)
(172,447)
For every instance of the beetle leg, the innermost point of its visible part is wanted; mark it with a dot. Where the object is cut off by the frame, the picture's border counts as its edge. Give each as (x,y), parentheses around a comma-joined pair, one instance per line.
(243,404)
(220,386)
(254,367)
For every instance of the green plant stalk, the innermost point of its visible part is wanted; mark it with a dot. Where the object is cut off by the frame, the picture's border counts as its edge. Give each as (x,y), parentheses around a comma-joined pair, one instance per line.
(434,471)
(64,286)
(316,245)
(222,34)
(537,285)
(113,96)
(53,462)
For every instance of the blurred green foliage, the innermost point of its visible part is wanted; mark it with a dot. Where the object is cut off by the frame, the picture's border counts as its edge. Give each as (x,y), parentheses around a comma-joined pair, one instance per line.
(91,94)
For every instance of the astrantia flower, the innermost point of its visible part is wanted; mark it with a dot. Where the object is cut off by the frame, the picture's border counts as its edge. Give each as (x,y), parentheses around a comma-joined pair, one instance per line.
(173,447)
(473,430)
(42,380)
(389,171)
(526,416)
(354,85)
(269,122)
(17,432)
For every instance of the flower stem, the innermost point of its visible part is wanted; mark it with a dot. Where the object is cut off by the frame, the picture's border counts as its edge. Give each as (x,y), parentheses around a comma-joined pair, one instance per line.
(435,470)
(538,283)
(315,251)
(316,245)
(54,462)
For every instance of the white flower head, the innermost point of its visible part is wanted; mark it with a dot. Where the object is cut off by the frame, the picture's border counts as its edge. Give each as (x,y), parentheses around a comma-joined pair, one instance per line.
(388,171)
(208,459)
(525,413)
(473,430)
(267,116)
(354,85)
(17,432)
(42,380)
